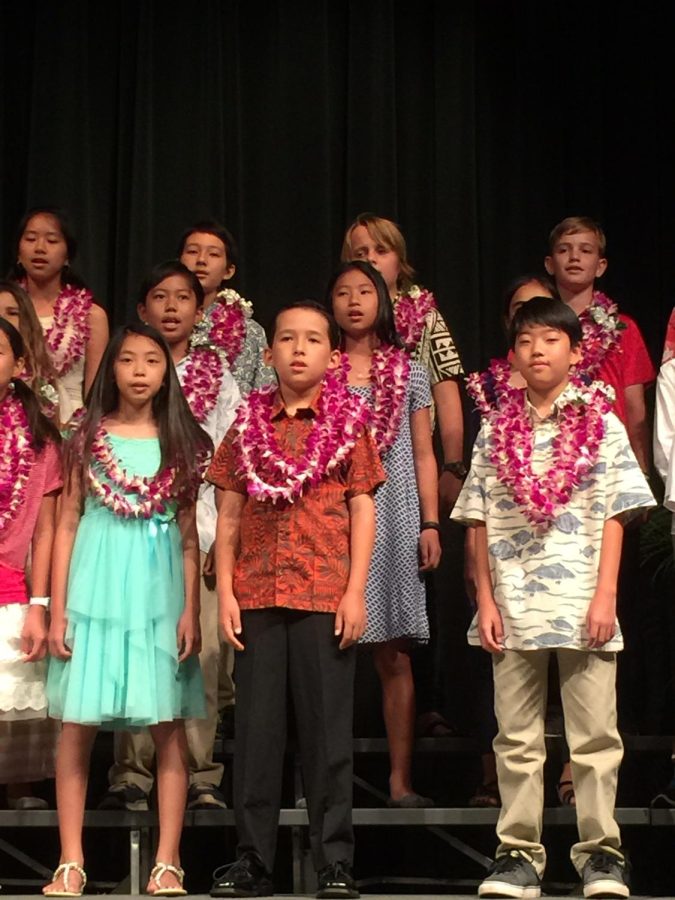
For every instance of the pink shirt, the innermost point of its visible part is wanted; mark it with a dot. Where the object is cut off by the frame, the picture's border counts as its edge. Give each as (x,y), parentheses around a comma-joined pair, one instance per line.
(44,478)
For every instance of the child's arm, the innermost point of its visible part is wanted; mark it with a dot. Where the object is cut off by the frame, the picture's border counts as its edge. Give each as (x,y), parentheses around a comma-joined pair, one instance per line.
(98,341)
(490,625)
(64,539)
(230,506)
(34,633)
(451,431)
(350,616)
(187,634)
(664,419)
(601,616)
(426,473)
(637,425)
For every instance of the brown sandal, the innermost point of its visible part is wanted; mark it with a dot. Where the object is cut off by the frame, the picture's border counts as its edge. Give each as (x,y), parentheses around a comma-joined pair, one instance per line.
(566,795)
(486,796)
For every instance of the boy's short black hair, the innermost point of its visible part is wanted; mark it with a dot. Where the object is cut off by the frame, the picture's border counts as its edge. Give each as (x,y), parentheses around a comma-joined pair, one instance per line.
(212,226)
(546,311)
(315,306)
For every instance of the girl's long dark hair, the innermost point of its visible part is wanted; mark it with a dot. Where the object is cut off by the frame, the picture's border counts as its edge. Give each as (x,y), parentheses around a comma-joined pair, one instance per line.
(41,429)
(385,326)
(183,443)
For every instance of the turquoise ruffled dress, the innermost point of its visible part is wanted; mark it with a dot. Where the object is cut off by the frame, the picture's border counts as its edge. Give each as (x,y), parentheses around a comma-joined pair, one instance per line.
(125,597)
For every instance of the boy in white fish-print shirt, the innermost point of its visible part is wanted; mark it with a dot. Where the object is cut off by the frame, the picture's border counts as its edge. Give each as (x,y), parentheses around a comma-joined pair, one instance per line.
(552,483)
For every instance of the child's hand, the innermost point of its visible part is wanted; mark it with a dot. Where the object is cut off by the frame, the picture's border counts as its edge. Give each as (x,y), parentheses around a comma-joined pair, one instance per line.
(230,620)
(189,639)
(57,638)
(490,628)
(34,634)
(429,549)
(209,567)
(350,618)
(601,618)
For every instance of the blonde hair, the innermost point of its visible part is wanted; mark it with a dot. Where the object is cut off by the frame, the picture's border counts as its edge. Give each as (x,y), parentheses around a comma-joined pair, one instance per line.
(384,232)
(38,365)
(574,225)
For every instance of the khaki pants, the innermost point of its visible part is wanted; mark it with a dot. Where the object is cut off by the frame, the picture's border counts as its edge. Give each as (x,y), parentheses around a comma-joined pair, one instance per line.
(135,751)
(587,687)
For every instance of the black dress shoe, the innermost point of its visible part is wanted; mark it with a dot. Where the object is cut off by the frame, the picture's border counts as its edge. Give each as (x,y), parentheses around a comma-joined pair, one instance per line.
(336,881)
(246,877)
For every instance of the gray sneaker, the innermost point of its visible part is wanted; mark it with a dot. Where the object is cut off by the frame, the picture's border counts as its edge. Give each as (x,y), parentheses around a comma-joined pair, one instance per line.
(512,875)
(605,875)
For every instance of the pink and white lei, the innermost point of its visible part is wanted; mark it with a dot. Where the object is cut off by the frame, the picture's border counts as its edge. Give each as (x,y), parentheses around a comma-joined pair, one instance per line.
(226,323)
(580,412)
(601,328)
(16,457)
(389,376)
(67,336)
(410,312)
(202,376)
(270,472)
(109,482)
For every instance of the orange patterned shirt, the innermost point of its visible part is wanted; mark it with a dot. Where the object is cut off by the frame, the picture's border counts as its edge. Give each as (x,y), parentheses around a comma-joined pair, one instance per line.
(296,555)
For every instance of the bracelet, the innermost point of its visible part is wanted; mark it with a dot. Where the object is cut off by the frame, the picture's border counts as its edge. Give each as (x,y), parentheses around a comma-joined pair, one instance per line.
(429,526)
(456,468)
(39,601)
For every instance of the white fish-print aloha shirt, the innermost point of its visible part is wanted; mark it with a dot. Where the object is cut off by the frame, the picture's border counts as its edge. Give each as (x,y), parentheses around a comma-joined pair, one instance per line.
(544,578)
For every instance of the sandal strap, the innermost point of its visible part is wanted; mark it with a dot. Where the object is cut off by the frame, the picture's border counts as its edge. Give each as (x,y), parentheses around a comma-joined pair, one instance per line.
(160,869)
(65,869)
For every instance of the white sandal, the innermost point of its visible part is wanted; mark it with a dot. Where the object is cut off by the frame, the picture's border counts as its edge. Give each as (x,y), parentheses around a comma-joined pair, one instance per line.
(65,869)
(161,869)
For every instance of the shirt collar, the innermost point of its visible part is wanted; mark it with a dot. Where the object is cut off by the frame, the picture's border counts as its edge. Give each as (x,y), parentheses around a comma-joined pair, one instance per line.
(559,401)
(307,412)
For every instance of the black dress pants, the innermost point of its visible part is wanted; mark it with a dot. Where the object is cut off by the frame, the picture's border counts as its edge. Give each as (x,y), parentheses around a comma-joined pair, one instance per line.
(287,649)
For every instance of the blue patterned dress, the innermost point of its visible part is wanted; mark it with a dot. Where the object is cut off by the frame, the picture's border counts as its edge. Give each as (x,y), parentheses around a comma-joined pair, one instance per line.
(395,593)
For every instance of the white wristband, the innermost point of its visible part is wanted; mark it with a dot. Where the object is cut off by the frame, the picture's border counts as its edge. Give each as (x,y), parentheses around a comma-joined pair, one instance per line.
(39,601)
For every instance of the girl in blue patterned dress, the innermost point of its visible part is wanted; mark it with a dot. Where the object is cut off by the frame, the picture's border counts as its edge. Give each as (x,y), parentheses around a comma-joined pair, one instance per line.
(125,601)
(407,543)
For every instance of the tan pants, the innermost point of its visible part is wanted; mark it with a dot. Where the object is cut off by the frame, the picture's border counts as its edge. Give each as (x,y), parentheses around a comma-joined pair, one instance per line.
(135,751)
(587,687)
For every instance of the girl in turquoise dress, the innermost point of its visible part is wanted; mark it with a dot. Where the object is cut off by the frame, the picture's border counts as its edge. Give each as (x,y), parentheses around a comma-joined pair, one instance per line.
(124,632)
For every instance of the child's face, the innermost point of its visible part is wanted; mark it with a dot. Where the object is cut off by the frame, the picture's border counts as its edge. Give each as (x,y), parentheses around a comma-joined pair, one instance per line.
(10,366)
(206,256)
(575,262)
(9,308)
(43,251)
(355,303)
(139,369)
(526,293)
(543,356)
(384,259)
(171,308)
(301,351)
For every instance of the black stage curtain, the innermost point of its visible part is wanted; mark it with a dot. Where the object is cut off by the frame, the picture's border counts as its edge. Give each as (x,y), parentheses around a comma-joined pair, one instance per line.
(476,125)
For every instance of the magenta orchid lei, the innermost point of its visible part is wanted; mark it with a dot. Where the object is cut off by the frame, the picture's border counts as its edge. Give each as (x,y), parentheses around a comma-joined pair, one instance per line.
(389,375)
(16,457)
(203,376)
(71,317)
(580,416)
(410,312)
(110,484)
(601,328)
(270,472)
(226,323)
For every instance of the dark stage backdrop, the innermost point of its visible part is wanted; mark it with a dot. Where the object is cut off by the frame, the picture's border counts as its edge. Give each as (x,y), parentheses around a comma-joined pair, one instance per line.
(476,125)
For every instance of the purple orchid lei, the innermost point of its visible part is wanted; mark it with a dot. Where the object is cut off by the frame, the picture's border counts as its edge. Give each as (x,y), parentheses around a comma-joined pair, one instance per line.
(410,311)
(16,456)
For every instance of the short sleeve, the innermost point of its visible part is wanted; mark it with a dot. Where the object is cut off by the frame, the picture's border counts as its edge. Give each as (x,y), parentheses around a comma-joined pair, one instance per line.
(438,351)
(53,469)
(636,362)
(420,389)
(471,506)
(625,486)
(223,469)
(365,471)
(669,343)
